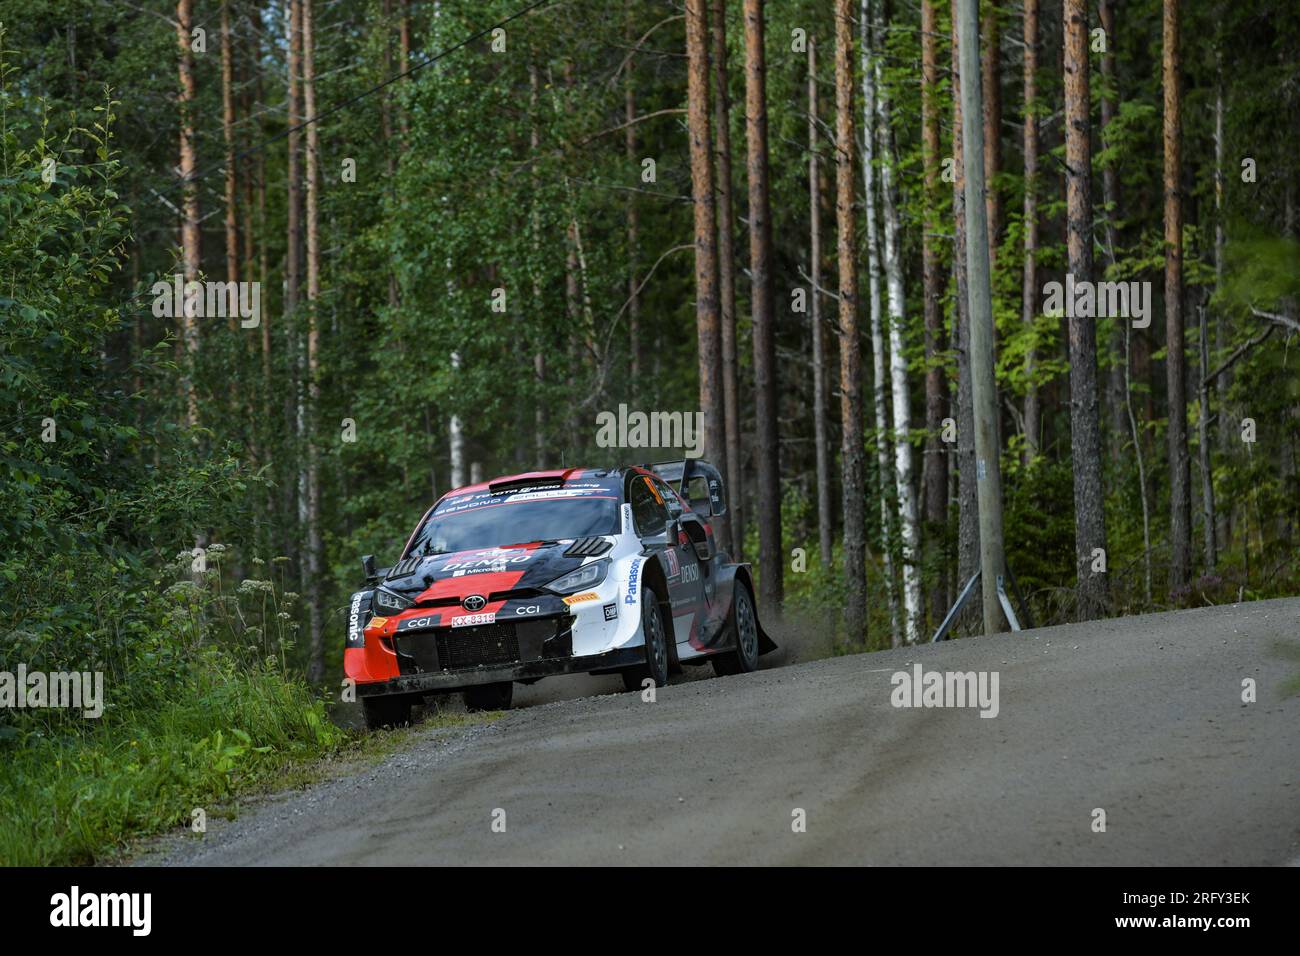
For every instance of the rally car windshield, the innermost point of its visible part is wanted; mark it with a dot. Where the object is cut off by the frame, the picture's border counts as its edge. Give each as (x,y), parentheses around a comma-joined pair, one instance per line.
(499,521)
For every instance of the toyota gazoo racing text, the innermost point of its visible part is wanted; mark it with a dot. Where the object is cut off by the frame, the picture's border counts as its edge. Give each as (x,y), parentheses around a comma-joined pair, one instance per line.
(554,572)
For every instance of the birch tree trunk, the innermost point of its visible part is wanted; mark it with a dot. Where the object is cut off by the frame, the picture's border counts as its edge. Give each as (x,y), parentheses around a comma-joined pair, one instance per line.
(456,439)
(878,353)
(898,362)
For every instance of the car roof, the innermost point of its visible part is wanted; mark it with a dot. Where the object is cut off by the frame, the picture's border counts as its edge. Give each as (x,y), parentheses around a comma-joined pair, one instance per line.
(526,479)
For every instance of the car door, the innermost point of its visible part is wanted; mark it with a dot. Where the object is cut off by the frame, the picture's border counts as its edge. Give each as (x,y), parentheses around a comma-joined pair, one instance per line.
(652,513)
(696,539)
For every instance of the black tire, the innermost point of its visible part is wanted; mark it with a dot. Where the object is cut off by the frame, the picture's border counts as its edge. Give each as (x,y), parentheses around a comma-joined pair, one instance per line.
(489,696)
(386,711)
(744,635)
(656,646)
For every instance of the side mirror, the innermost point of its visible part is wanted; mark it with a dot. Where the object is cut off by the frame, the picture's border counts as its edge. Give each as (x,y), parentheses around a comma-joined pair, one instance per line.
(368,566)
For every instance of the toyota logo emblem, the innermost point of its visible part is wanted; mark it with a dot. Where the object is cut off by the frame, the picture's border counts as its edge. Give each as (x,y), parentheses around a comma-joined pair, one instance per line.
(475,602)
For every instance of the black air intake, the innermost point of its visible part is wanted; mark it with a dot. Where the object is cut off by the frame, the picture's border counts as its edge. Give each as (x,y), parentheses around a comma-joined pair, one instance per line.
(587,547)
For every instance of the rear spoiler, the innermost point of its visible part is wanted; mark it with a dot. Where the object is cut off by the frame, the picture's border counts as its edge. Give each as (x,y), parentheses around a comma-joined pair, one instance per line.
(679,472)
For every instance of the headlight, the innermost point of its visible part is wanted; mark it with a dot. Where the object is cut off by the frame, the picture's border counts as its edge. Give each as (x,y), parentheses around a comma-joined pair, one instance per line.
(388,603)
(587,576)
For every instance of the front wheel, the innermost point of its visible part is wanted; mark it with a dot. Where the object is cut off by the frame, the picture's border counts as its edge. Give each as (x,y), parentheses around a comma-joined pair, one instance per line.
(744,633)
(656,646)
(386,711)
(489,696)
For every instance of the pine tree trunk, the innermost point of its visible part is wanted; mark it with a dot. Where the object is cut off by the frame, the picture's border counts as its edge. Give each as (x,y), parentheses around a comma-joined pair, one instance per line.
(191,251)
(1085,428)
(386,125)
(821,428)
(1110,196)
(734,525)
(767,433)
(898,360)
(1220,240)
(1203,449)
(934,472)
(633,220)
(1029,286)
(708,326)
(315,547)
(1180,506)
(851,453)
(991,64)
(541,444)
(293,239)
(228,136)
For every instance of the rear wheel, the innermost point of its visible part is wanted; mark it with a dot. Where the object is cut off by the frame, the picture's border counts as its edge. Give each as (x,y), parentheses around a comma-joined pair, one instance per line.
(489,696)
(744,633)
(656,646)
(386,711)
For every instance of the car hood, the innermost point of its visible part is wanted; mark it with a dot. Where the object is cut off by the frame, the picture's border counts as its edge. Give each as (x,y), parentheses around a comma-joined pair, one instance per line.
(484,571)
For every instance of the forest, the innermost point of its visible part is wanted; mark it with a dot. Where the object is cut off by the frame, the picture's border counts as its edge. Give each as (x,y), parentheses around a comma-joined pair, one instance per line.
(278,274)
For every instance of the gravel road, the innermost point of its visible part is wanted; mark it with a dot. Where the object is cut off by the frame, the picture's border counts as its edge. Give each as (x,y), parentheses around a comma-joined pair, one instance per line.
(1141,717)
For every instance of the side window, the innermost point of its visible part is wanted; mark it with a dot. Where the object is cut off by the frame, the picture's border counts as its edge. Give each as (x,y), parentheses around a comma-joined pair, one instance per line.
(670,498)
(649,513)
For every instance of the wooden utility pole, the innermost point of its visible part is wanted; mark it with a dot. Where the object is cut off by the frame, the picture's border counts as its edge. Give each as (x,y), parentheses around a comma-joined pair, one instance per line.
(988,473)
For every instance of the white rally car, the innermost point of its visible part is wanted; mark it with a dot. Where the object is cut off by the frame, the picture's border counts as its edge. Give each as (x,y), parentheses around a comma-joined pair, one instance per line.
(554,572)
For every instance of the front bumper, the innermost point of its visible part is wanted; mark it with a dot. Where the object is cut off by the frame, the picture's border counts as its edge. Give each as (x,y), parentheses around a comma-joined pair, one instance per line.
(491,674)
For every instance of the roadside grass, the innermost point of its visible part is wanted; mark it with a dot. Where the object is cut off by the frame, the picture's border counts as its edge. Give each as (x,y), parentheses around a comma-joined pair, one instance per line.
(78,798)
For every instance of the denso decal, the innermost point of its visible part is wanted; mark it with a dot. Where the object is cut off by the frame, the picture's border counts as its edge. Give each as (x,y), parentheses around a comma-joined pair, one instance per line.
(633,577)
(473,620)
(485,564)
